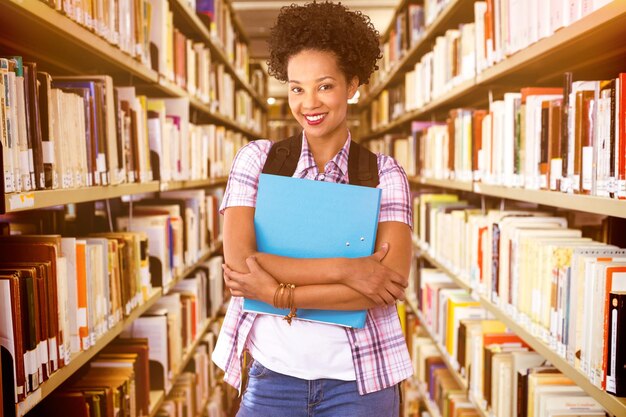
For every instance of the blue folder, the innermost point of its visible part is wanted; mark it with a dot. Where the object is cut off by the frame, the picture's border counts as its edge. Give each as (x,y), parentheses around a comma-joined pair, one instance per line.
(300,218)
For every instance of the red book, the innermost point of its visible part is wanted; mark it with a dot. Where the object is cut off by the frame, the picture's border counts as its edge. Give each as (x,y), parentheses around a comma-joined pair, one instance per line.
(621,166)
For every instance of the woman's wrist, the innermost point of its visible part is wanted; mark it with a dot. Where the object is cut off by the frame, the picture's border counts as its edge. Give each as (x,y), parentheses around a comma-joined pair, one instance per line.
(343,270)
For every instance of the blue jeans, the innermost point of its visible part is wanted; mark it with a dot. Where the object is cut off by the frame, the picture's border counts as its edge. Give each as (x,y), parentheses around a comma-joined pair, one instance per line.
(270,394)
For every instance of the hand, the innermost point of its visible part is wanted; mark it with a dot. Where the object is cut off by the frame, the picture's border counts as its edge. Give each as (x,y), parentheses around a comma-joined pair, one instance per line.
(374,280)
(255,285)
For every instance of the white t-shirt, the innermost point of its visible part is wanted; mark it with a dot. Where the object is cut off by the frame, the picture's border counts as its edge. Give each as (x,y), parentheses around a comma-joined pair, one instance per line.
(304,349)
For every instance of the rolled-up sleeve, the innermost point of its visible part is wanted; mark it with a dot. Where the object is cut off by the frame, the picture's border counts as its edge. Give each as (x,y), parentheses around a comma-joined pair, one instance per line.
(395,202)
(243,179)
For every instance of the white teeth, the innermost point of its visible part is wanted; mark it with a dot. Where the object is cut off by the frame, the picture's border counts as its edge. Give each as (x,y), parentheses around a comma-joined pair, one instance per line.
(314,118)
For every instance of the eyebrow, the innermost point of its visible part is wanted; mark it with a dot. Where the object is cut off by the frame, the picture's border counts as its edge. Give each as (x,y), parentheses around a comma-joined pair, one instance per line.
(317,81)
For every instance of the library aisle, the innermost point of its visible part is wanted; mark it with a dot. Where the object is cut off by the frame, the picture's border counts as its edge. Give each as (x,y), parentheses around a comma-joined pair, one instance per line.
(120,121)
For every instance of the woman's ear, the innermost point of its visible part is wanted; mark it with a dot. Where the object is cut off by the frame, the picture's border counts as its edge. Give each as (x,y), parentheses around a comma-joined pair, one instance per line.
(353,86)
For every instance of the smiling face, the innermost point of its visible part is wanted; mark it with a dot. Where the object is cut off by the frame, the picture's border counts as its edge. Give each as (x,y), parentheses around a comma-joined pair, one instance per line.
(318,95)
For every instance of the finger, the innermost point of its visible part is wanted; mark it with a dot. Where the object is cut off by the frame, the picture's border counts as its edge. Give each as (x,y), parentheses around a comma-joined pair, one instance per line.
(388,298)
(399,279)
(396,291)
(380,254)
(253,265)
(232,274)
(379,300)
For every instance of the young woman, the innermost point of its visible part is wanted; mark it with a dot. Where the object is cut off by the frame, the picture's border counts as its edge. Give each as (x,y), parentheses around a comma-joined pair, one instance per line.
(324,52)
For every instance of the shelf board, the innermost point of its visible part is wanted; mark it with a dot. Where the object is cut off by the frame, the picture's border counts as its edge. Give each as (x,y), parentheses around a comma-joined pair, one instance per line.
(589,204)
(449,184)
(423,253)
(47,198)
(191,349)
(614,405)
(220,118)
(443,352)
(465,92)
(31,200)
(193,25)
(191,184)
(454,13)
(81,358)
(156,399)
(212,251)
(586,203)
(432,408)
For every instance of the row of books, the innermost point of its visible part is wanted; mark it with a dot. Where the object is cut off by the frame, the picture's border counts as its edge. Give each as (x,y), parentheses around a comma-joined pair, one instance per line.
(551,279)
(218,17)
(569,139)
(71,132)
(119,380)
(144,29)
(406,31)
(197,391)
(182,226)
(116,382)
(493,370)
(60,295)
(177,320)
(457,56)
(500,29)
(188,151)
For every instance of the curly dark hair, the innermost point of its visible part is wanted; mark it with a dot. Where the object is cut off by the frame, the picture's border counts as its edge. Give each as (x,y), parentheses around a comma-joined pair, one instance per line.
(349,35)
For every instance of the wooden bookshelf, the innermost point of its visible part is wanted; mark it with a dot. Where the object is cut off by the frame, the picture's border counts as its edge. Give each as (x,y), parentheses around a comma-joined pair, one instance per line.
(38,32)
(189,21)
(191,184)
(449,184)
(214,249)
(466,92)
(452,367)
(587,203)
(449,364)
(614,405)
(432,408)
(550,57)
(546,60)
(49,36)
(31,200)
(454,13)
(79,359)
(156,399)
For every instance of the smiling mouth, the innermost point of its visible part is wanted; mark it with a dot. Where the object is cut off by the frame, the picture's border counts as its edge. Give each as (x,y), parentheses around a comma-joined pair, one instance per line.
(314,119)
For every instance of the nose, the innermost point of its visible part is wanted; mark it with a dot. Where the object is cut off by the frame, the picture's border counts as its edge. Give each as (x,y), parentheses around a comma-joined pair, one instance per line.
(310,100)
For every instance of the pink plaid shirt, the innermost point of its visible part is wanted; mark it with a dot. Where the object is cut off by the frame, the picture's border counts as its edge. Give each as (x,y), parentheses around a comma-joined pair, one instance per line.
(379,350)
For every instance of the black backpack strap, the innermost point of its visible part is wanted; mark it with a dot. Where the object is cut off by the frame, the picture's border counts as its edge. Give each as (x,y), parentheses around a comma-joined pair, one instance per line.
(362,166)
(283,157)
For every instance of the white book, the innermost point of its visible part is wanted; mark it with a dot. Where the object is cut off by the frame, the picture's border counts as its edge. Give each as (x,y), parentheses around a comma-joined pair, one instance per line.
(172,303)
(157,229)
(68,251)
(154,326)
(179,107)
(480,7)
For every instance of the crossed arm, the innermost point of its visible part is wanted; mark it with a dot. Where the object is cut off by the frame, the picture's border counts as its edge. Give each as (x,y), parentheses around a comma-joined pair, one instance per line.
(329,283)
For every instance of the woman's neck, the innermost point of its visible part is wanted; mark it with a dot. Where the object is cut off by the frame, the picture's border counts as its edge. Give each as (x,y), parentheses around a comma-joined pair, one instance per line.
(325,148)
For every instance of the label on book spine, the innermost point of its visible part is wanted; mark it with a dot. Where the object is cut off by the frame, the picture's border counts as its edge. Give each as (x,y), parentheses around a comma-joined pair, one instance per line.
(21,201)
